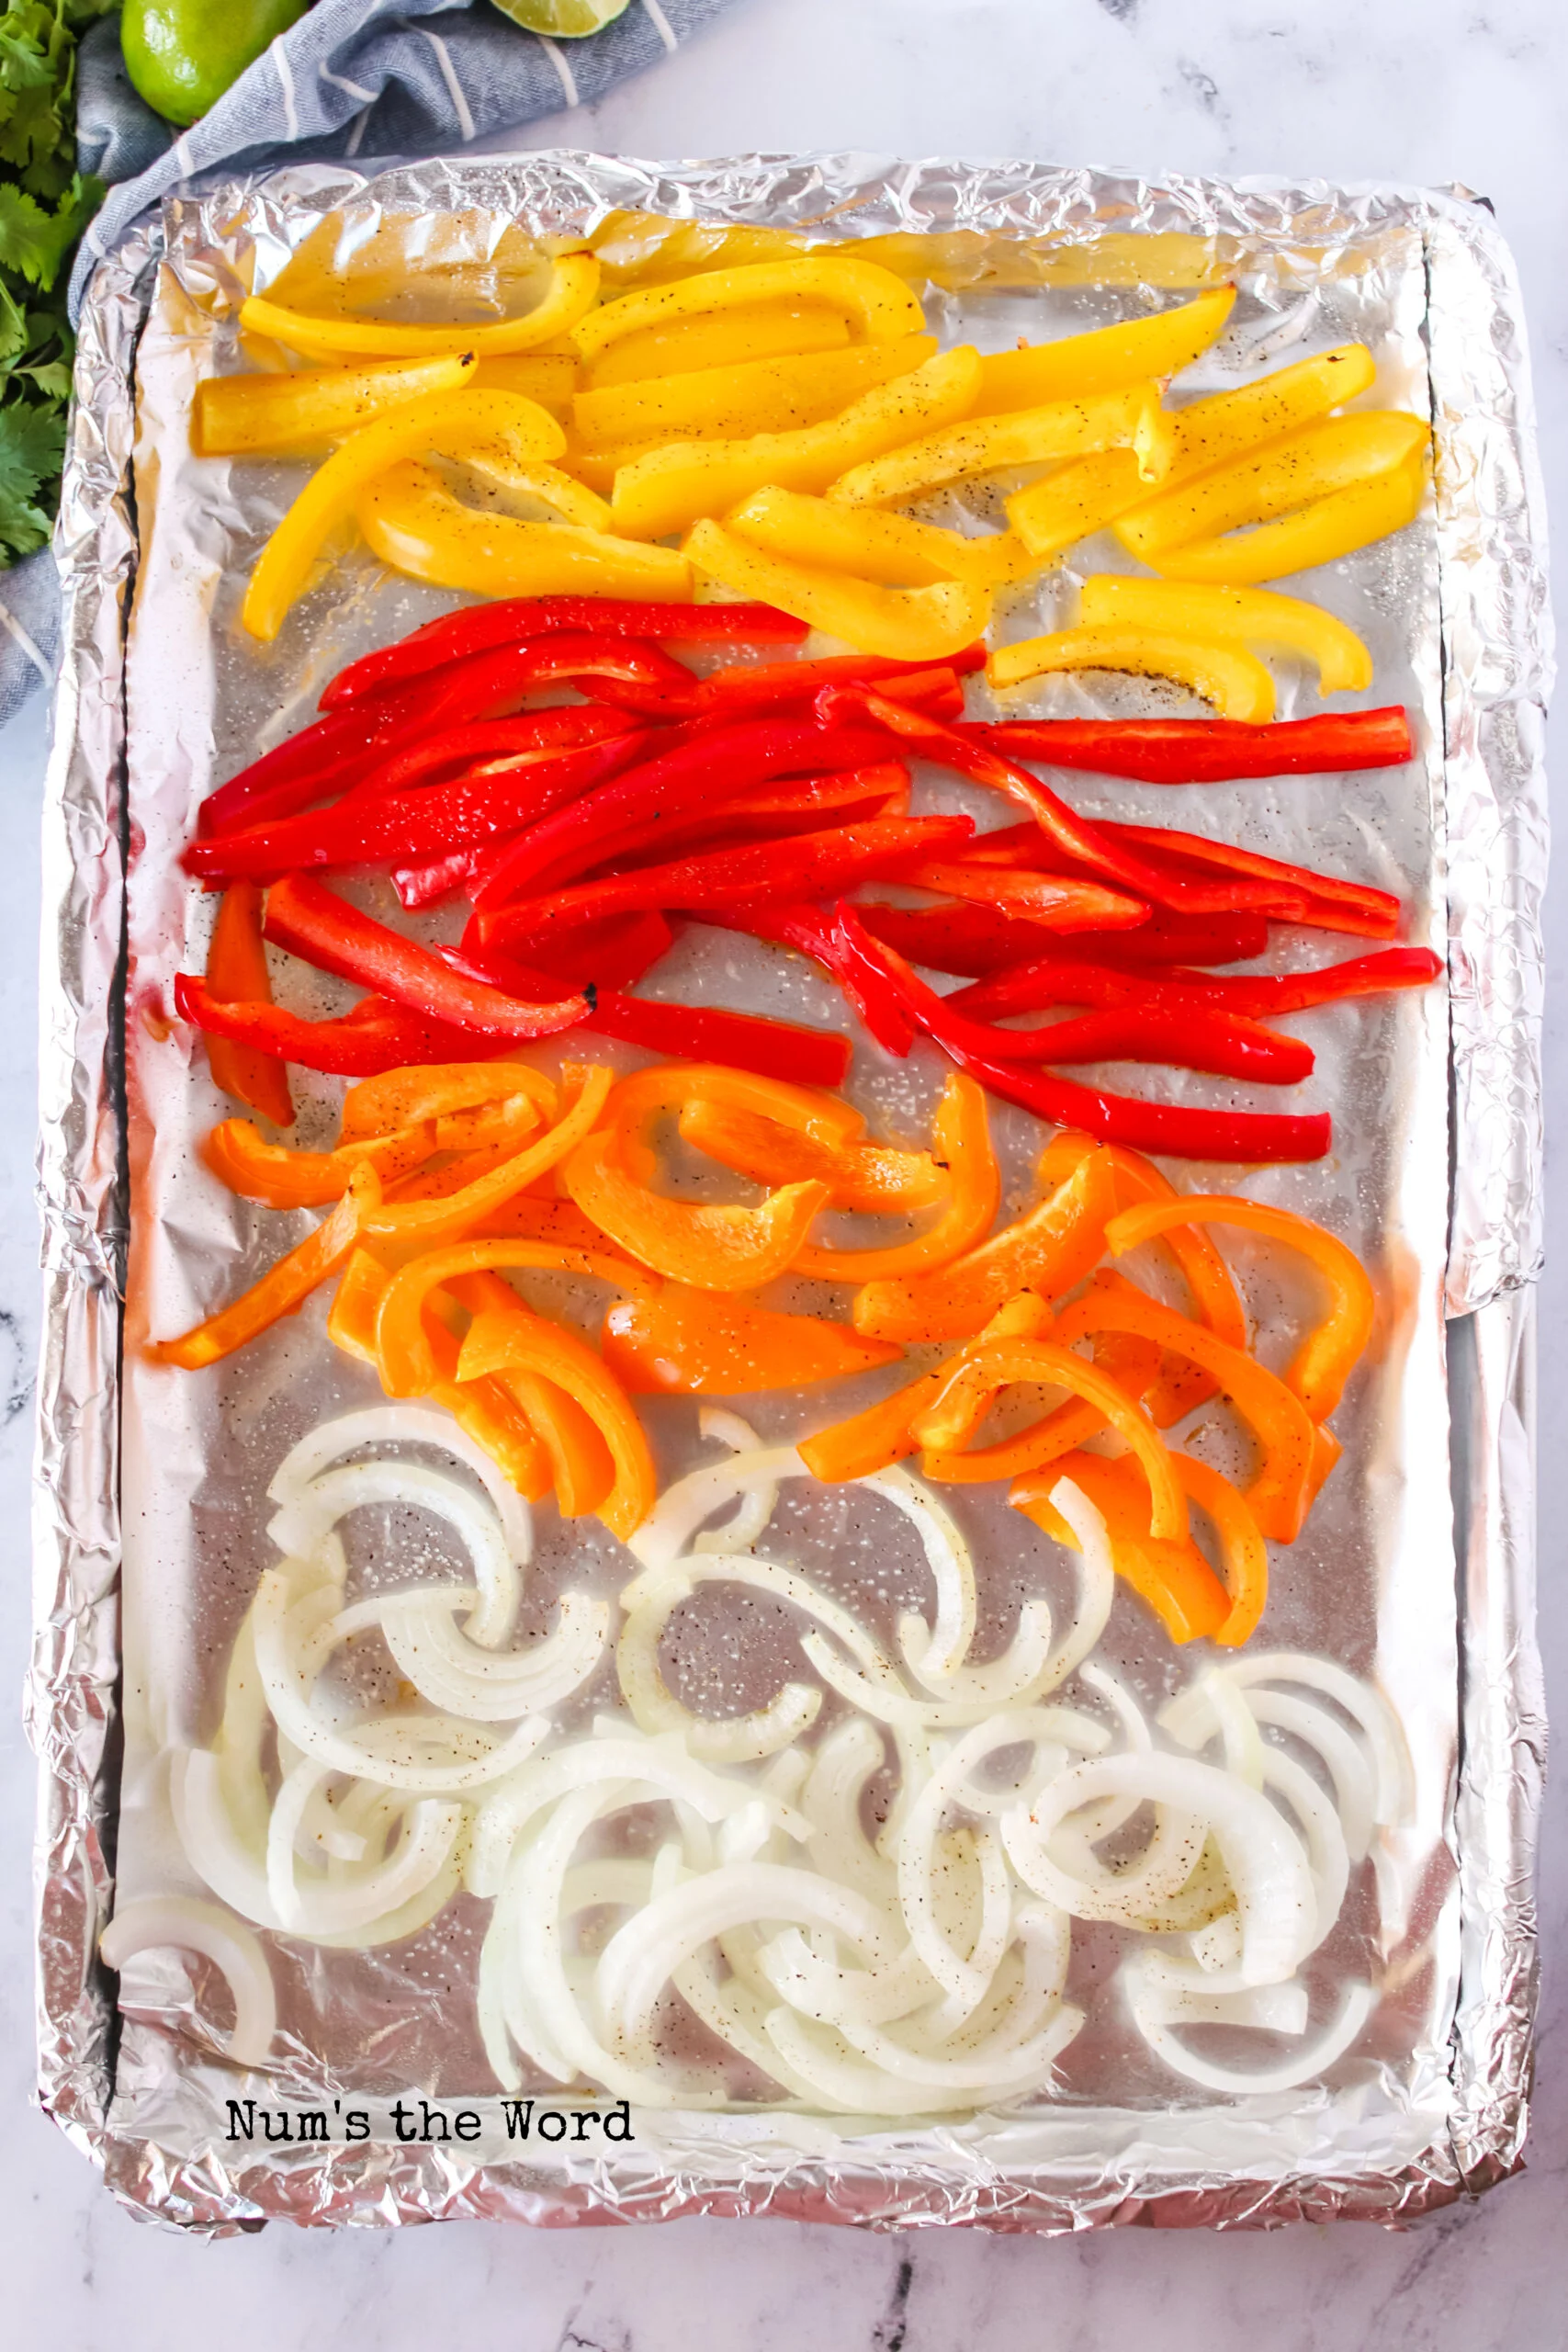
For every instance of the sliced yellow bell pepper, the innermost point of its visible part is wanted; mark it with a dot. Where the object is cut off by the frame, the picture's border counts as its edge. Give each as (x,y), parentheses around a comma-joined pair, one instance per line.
(574,282)
(1234,681)
(1331,527)
(897,624)
(961,1140)
(454,422)
(1277,478)
(879,304)
(415,524)
(724,339)
(501,1341)
(1051,514)
(431,1224)
(547,486)
(888,548)
(1105,359)
(670,488)
(1129,419)
(1210,432)
(648,248)
(752,396)
(545,377)
(708,1248)
(244,416)
(1247,615)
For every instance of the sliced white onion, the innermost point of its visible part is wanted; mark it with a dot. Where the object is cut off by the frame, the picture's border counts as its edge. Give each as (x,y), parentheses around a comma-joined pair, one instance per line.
(1096,1585)
(833,1995)
(492,1686)
(335,1907)
(184,1922)
(853,2087)
(683,1508)
(405,1425)
(301,1523)
(654,1708)
(1355,2008)
(748,1523)
(1365,1706)
(943,1647)
(845,1760)
(1347,1768)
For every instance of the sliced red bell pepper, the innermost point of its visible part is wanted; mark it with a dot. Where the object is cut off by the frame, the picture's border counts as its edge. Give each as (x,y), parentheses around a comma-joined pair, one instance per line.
(791,805)
(432,821)
(1073,837)
(236,972)
(321,761)
(768,685)
(811,930)
(374,1037)
(566,728)
(314,922)
(611,955)
(1051,980)
(478,628)
(803,865)
(703,772)
(974,941)
(1210,751)
(1050,901)
(1332,905)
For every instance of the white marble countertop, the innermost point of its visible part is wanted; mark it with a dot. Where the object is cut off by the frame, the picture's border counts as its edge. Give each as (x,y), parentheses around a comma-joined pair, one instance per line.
(1430,91)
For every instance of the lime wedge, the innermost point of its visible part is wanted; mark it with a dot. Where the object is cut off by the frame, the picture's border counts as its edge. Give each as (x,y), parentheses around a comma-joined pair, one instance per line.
(562,19)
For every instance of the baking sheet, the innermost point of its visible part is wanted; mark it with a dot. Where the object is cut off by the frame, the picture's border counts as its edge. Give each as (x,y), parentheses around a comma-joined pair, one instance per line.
(1314,267)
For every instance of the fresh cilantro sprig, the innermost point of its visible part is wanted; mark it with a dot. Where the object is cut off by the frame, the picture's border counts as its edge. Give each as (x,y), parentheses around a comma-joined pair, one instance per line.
(44,206)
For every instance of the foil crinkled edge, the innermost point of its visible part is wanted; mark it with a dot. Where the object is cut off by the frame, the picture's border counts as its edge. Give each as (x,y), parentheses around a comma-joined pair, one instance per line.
(1497,671)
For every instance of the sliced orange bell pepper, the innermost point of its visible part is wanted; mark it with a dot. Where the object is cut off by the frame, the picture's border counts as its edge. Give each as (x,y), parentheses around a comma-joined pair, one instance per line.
(399,1098)
(240,1157)
(873,1177)
(682,1342)
(669,1087)
(237,974)
(1132,1363)
(430,1224)
(1328,1355)
(1278,1494)
(882,1434)
(961,1140)
(516,1342)
(710,1247)
(1049,1252)
(576,1457)
(284,1288)
(531,1217)
(408,1365)
(1174,1578)
(1242,1548)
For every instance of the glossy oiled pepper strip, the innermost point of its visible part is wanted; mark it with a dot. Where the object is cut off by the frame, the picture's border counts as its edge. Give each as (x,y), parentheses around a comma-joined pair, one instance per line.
(1226,675)
(283,1289)
(1058,979)
(684,1342)
(1057,902)
(376,1036)
(871,1177)
(237,973)
(580,1468)
(494,743)
(709,1248)
(927,624)
(434,1224)
(1174,1578)
(1326,1358)
(1247,615)
(960,1141)
(312,922)
(1331,904)
(574,282)
(1210,750)
(240,1157)
(501,1342)
(437,1093)
(882,1434)
(979,941)
(408,1362)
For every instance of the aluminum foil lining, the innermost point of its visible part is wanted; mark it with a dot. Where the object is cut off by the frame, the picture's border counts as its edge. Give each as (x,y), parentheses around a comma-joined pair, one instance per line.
(1429,277)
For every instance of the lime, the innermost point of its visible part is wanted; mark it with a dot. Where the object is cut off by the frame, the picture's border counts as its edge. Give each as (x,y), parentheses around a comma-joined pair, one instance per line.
(562,19)
(183,54)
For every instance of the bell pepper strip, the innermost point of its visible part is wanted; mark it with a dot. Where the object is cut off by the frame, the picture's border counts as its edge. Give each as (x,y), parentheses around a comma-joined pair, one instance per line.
(1326,1358)
(789,686)
(1210,751)
(241,1157)
(815,865)
(1062,902)
(314,922)
(887,548)
(984,1371)
(872,1439)
(1227,425)
(376,1036)
(672,487)
(905,624)
(784,806)
(875,1177)
(547,376)
(1332,526)
(1061,979)
(1087,844)
(1131,418)
(579,1463)
(746,1041)
(1332,904)
(574,283)
(283,1289)
(251,416)
(454,421)
(480,629)
(1234,681)
(1074,501)
(682,1342)
(416,525)
(511,1342)
(1276,480)
(1277,1497)
(1246,1138)
(697,773)
(1107,358)
(960,1139)
(490,743)
(434,1224)
(605,956)
(403,1097)
(406,1358)
(1131,1364)
(323,759)
(560,494)
(821,1118)
(1048,1251)
(773,395)
(880,306)
(708,1248)
(481,1409)
(1245,615)
(1175,1580)
(1019,848)
(386,828)
(979,941)
(237,973)
(811,930)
